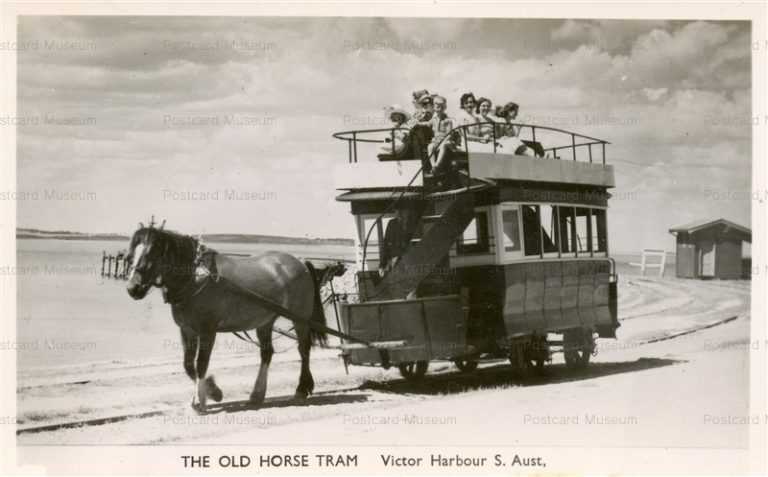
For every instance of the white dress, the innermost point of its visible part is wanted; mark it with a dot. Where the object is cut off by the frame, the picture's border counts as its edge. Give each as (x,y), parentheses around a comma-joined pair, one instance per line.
(399,135)
(509,140)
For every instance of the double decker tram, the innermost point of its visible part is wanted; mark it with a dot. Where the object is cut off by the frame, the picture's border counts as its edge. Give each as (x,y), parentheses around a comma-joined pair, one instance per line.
(506,256)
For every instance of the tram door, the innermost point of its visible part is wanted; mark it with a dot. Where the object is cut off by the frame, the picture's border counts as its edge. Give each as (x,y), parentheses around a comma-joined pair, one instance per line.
(707,258)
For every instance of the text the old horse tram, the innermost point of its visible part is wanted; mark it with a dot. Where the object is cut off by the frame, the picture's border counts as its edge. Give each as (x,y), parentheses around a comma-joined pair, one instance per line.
(501,254)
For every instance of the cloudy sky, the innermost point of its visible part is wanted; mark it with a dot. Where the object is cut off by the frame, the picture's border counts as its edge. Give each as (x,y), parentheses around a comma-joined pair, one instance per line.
(126,116)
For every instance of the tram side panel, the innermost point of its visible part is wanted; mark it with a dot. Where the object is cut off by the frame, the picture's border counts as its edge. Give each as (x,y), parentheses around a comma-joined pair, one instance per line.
(556,296)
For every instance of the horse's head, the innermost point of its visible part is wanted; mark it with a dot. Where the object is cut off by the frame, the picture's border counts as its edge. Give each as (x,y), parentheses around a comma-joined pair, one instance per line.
(145,255)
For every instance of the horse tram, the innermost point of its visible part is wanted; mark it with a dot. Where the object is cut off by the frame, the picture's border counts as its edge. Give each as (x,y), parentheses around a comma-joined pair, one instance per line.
(485,250)
(505,256)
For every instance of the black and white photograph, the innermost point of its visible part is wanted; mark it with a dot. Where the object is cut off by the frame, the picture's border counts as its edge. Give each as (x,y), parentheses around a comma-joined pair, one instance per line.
(384,241)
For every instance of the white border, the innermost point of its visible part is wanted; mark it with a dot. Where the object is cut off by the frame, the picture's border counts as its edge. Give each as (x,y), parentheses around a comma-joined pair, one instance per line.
(164,460)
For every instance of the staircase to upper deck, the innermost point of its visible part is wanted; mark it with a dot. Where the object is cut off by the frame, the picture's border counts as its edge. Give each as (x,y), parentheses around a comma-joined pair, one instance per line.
(444,220)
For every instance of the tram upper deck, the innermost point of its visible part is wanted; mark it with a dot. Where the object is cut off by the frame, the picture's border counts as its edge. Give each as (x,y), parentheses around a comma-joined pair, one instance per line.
(554,156)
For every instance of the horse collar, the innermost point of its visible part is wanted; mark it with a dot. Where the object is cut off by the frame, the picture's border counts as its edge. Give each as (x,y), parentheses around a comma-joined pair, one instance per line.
(205,271)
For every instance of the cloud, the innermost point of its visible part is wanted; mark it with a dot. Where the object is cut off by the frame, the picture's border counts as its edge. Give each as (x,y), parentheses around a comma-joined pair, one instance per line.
(671,97)
(616,36)
(654,94)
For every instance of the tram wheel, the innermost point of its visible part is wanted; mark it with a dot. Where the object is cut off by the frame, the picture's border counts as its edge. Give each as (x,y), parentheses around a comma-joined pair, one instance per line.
(578,348)
(413,371)
(465,365)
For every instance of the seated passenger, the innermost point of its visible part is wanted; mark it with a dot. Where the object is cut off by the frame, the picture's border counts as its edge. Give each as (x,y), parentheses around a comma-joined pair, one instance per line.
(508,134)
(445,139)
(422,108)
(396,140)
(466,117)
(421,126)
(486,125)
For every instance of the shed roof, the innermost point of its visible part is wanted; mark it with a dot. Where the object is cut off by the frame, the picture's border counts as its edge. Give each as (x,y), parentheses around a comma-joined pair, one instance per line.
(705,224)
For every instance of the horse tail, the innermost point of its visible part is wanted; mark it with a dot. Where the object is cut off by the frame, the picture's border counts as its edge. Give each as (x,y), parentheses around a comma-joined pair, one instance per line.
(318,314)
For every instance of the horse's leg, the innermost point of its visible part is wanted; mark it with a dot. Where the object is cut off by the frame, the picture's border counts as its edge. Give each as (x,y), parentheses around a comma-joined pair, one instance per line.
(189,340)
(204,382)
(264,335)
(306,383)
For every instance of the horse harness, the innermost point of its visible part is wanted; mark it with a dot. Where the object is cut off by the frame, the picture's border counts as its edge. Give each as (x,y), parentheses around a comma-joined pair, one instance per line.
(207,272)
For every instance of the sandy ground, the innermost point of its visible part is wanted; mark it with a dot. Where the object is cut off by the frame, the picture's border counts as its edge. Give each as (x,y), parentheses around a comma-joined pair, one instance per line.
(651,387)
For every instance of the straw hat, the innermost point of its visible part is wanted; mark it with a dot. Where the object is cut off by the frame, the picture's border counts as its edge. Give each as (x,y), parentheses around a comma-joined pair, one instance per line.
(422,96)
(397,109)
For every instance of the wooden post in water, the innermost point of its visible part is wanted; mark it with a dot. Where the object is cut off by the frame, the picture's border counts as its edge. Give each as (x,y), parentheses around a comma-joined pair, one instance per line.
(103,261)
(117,266)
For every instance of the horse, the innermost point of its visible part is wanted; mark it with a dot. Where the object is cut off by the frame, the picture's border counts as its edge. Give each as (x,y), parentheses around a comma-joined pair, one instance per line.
(207,301)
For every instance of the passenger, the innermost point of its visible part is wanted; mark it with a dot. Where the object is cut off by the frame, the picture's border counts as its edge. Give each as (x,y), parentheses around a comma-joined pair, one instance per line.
(445,139)
(486,125)
(486,120)
(466,117)
(397,138)
(422,108)
(421,126)
(508,133)
(397,238)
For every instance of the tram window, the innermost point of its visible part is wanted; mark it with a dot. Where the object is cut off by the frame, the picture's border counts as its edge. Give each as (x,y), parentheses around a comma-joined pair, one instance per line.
(599,231)
(511,222)
(582,230)
(567,221)
(549,233)
(531,229)
(474,239)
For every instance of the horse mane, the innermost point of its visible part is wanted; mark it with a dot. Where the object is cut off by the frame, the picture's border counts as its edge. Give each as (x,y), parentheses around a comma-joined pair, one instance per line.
(179,249)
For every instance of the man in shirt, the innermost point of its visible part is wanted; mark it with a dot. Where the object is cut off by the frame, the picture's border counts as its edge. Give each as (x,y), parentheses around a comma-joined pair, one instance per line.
(445,140)
(420,126)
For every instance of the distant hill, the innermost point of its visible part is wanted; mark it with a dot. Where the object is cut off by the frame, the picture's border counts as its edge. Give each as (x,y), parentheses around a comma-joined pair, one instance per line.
(65,235)
(221,238)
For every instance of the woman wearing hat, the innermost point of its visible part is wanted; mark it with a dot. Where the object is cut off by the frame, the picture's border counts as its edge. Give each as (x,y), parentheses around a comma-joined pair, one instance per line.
(397,139)
(423,108)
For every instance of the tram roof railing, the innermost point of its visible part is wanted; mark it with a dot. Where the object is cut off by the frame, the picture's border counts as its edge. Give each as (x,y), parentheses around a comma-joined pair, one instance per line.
(578,142)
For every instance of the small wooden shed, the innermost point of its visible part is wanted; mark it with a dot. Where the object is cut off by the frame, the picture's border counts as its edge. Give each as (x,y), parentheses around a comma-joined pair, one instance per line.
(711,249)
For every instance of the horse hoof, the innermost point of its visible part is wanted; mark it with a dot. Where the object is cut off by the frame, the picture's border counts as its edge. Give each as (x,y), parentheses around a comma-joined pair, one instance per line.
(256,400)
(301,395)
(198,408)
(212,390)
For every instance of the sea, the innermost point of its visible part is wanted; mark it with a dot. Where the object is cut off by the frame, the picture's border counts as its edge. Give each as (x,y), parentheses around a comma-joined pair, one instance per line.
(68,314)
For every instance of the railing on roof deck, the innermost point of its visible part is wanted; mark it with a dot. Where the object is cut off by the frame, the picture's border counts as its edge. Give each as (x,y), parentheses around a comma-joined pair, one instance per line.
(577,143)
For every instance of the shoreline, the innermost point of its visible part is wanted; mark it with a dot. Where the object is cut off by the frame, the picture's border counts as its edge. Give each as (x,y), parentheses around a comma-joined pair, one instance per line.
(211,238)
